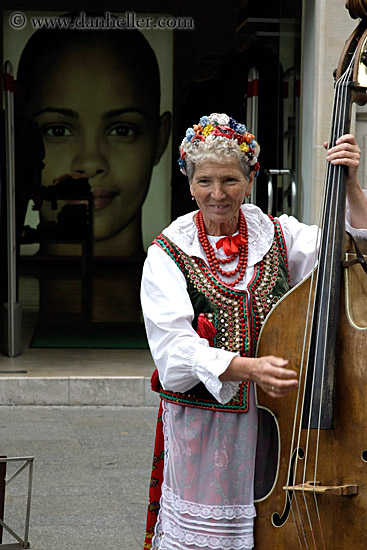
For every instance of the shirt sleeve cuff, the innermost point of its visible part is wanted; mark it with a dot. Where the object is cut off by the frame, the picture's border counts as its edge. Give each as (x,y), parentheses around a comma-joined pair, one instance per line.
(209,363)
(360,233)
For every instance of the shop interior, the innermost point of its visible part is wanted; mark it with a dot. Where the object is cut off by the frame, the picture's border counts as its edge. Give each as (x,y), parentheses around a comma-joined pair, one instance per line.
(242,59)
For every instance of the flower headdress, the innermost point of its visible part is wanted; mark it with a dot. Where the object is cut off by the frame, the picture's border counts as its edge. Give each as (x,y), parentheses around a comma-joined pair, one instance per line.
(224,128)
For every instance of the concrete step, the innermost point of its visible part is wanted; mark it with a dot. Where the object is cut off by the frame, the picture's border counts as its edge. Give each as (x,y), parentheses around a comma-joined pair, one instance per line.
(130,391)
(62,376)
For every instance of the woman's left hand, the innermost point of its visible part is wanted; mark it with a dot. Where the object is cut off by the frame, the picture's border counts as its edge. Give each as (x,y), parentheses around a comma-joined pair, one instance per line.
(346,152)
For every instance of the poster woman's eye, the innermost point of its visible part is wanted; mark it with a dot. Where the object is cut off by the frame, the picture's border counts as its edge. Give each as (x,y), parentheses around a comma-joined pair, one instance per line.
(56,131)
(121,130)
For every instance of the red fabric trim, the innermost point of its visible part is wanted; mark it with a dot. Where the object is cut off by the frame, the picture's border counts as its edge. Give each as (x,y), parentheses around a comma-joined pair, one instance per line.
(279,225)
(285,244)
(155,490)
(157,242)
(154,382)
(250,332)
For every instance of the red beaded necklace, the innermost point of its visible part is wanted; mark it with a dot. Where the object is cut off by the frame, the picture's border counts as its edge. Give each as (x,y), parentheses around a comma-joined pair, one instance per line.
(214,262)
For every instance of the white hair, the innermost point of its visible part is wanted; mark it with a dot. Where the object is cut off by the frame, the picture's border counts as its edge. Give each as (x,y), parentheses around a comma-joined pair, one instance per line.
(219,150)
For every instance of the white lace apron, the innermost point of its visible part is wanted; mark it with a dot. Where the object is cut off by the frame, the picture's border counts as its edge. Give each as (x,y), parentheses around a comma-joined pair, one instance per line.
(207,491)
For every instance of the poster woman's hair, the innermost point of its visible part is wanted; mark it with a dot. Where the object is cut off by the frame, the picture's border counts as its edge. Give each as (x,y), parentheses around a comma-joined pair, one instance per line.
(129,44)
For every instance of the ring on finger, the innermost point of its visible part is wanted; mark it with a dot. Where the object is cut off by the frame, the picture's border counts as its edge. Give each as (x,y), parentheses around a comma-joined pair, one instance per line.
(272,388)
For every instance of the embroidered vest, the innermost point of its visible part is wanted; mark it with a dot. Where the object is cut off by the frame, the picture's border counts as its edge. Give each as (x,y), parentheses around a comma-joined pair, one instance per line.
(236,315)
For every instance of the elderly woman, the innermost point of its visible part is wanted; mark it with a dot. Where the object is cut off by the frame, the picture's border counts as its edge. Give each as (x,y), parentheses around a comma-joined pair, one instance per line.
(201,296)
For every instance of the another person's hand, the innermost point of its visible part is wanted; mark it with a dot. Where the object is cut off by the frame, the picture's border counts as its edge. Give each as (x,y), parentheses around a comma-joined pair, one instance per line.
(268,372)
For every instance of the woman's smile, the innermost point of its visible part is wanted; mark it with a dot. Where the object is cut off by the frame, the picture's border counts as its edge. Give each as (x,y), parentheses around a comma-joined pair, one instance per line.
(219,206)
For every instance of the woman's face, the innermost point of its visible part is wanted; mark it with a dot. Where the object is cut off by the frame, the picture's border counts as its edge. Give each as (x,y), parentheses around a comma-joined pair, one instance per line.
(96,119)
(219,190)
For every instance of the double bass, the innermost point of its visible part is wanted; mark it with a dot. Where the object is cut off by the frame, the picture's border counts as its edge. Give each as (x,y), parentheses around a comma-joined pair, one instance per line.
(311,465)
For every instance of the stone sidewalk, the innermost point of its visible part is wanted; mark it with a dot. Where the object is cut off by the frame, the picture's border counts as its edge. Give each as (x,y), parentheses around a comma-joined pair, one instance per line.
(91,474)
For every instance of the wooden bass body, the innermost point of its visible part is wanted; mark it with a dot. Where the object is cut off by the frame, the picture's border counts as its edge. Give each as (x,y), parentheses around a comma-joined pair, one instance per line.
(325,504)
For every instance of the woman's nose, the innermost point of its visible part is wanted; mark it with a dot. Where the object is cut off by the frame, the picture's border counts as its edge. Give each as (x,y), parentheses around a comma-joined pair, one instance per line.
(217,191)
(89,159)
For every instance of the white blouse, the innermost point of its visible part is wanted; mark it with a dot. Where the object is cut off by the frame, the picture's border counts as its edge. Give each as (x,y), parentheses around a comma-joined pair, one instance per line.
(180,355)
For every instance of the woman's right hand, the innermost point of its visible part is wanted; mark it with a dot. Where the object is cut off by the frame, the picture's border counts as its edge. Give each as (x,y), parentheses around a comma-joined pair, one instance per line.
(268,372)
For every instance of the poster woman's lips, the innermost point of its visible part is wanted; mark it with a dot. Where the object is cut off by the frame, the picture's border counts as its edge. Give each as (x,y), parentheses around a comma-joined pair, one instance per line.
(103,198)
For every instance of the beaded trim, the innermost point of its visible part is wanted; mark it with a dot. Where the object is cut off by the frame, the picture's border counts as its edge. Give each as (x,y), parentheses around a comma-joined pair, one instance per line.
(238,403)
(269,283)
(225,307)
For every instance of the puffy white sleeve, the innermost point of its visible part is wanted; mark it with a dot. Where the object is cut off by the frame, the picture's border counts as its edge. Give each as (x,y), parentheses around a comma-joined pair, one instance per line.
(182,358)
(300,241)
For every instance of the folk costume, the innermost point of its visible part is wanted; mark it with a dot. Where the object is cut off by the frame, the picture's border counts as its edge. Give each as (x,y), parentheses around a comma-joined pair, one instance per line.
(210,431)
(197,321)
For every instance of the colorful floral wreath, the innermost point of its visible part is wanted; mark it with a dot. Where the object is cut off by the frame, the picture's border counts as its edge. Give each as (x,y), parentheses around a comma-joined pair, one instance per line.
(220,126)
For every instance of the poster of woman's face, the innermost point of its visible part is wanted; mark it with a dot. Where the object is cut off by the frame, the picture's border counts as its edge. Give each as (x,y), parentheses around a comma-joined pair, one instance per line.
(96,97)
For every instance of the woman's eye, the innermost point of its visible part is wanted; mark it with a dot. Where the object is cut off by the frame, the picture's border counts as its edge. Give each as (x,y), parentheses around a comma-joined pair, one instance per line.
(57,131)
(122,131)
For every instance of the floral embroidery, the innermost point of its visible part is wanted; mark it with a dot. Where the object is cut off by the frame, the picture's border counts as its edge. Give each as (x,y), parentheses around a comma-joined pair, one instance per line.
(154,482)
(154,507)
(156,459)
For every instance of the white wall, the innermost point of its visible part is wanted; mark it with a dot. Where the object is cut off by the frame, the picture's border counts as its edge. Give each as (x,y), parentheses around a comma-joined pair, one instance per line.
(326,27)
